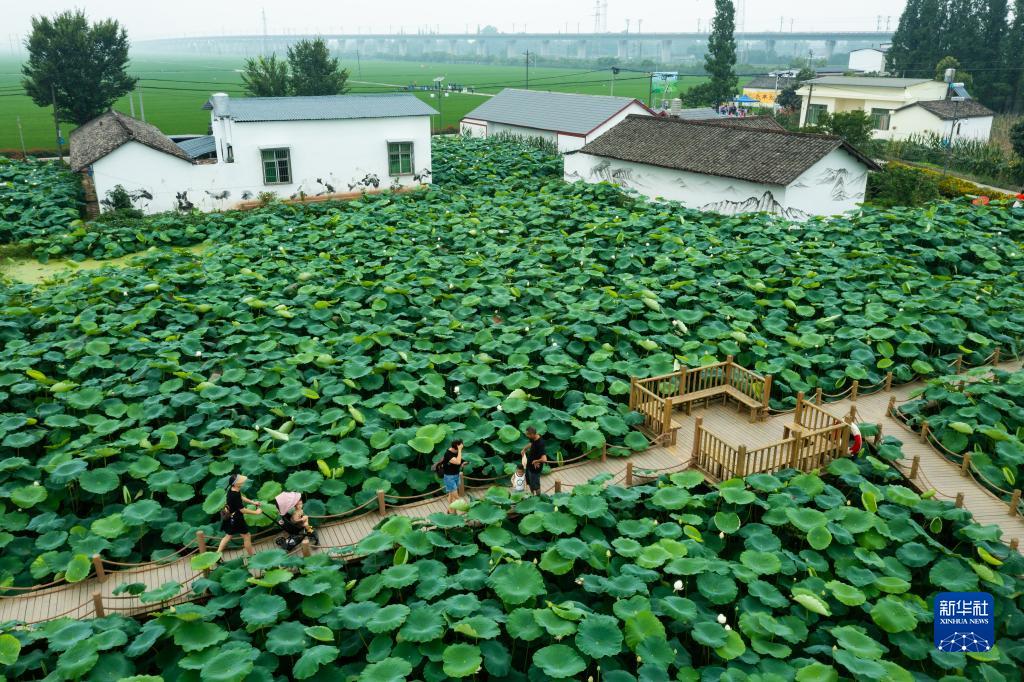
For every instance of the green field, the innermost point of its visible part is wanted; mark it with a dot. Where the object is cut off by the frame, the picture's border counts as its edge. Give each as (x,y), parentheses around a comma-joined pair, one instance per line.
(175,89)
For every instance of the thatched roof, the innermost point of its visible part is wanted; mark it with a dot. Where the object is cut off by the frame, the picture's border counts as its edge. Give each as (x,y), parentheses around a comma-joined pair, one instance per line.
(107,132)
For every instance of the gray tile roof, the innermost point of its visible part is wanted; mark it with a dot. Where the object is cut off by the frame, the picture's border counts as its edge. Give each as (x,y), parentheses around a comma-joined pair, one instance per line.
(198,146)
(560,111)
(324,108)
(868,81)
(105,133)
(947,110)
(750,122)
(699,114)
(775,157)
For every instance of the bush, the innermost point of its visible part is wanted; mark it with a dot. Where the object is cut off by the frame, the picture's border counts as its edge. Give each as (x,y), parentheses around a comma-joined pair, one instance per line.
(122,202)
(1017,138)
(899,185)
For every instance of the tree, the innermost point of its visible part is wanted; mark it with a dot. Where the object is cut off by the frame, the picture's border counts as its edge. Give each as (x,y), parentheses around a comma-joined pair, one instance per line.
(265,77)
(961,75)
(314,71)
(855,127)
(82,64)
(1013,48)
(917,44)
(788,99)
(720,60)
(1017,138)
(993,84)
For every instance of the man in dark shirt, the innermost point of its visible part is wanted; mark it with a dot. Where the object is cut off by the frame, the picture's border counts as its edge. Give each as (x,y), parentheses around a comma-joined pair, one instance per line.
(535,454)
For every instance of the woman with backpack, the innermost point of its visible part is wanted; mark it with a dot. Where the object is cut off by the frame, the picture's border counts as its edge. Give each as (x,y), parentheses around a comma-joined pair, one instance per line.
(232,517)
(450,467)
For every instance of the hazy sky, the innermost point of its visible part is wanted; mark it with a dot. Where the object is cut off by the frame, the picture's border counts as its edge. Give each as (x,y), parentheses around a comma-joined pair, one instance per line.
(160,18)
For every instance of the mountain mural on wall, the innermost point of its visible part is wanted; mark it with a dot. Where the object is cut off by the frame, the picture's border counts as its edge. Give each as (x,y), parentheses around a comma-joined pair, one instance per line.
(623,177)
(842,181)
(766,203)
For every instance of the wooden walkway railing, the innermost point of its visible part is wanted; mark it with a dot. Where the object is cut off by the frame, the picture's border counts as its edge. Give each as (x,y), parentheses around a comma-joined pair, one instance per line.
(656,397)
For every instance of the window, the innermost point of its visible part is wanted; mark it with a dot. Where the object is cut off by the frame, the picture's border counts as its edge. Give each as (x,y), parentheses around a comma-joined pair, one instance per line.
(230,155)
(814,112)
(880,118)
(400,158)
(277,167)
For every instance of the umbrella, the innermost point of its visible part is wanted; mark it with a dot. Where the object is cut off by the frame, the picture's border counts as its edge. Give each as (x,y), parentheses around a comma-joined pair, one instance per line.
(287,501)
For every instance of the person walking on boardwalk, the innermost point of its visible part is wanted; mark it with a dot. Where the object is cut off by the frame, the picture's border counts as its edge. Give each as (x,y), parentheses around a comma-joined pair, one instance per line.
(451,467)
(233,515)
(535,454)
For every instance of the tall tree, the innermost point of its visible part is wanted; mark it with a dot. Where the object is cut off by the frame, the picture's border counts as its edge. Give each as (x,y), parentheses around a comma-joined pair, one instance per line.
(917,44)
(720,60)
(265,77)
(82,65)
(314,71)
(993,84)
(1013,48)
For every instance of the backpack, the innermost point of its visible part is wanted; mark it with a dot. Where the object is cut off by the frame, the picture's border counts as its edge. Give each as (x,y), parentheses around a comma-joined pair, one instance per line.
(439,467)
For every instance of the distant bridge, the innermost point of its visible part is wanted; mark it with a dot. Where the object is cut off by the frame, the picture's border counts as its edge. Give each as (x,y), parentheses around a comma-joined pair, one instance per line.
(660,46)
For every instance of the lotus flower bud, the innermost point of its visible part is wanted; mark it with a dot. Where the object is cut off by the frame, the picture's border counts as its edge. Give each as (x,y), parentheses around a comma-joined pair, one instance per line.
(721,534)
(639,660)
(199,353)
(579,581)
(727,627)
(556,508)
(456,389)
(534,561)
(608,553)
(677,586)
(721,619)
(35,482)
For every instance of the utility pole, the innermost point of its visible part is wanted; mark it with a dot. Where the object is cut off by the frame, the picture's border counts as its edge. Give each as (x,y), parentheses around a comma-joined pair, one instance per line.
(142,107)
(21,134)
(359,64)
(615,71)
(131,105)
(264,10)
(527,69)
(56,122)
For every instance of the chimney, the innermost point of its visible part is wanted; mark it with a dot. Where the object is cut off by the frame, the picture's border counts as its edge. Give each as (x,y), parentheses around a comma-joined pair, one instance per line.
(221,127)
(219,100)
(677,107)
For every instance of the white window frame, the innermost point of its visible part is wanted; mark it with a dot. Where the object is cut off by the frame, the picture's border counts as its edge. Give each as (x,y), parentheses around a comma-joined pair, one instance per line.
(263,165)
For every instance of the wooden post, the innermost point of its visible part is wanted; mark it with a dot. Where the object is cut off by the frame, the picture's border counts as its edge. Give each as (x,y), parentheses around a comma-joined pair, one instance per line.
(1014,543)
(915,464)
(97,564)
(381,504)
(558,486)
(306,551)
(854,390)
(767,394)
(629,474)
(1014,501)
(965,466)
(462,485)
(817,396)
(958,364)
(728,370)
(924,432)
(995,356)
(795,447)
(888,381)
(891,409)
(959,500)
(799,407)
(632,393)
(201,541)
(698,425)
(97,604)
(741,461)
(666,419)
(604,452)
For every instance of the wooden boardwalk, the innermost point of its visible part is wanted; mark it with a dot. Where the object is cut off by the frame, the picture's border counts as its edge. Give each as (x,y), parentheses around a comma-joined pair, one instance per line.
(93,596)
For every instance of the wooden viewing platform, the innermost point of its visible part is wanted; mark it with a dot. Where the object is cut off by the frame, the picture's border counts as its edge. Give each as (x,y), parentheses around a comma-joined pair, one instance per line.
(811,435)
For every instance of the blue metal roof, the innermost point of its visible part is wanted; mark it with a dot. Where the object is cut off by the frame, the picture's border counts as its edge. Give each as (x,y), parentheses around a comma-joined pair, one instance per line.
(325,108)
(199,146)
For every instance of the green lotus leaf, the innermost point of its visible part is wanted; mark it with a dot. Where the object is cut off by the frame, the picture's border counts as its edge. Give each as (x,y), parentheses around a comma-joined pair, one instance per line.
(28,496)
(388,618)
(422,625)
(286,639)
(516,583)
(461,660)
(388,670)
(10,648)
(262,609)
(892,615)
(314,658)
(197,635)
(559,661)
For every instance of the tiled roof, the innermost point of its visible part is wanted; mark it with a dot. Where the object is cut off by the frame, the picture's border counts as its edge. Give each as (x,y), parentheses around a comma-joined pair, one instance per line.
(108,131)
(559,111)
(868,81)
(750,122)
(762,155)
(698,114)
(769,83)
(199,146)
(948,110)
(323,108)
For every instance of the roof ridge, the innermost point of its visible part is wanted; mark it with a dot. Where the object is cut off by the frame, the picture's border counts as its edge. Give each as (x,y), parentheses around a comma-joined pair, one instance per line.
(722,124)
(572,94)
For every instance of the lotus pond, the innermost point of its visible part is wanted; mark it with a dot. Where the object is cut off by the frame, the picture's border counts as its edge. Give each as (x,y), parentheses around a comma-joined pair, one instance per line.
(334,349)
(37,200)
(981,414)
(787,577)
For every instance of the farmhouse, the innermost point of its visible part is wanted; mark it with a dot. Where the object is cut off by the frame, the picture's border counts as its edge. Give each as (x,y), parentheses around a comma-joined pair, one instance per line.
(766,89)
(966,120)
(869,59)
(876,96)
(290,147)
(568,120)
(731,167)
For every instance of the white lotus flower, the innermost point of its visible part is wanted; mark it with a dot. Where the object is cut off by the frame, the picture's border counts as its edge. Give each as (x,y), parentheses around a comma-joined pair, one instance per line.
(721,534)
(677,586)
(456,389)
(199,353)
(721,619)
(727,627)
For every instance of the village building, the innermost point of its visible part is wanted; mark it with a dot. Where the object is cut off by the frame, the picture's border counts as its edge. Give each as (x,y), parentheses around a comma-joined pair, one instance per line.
(766,89)
(878,97)
(565,119)
(947,119)
(285,147)
(730,166)
(869,59)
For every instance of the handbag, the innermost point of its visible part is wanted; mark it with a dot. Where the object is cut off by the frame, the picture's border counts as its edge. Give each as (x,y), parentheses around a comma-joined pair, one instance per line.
(225,514)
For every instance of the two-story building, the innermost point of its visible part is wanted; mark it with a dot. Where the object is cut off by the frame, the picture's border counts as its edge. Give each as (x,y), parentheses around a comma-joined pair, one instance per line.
(286,147)
(876,96)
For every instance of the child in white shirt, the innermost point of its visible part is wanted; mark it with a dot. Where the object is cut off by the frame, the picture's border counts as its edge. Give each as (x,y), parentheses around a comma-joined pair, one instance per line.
(519,480)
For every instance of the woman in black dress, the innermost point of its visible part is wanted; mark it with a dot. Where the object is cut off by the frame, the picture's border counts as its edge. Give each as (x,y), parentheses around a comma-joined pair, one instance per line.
(233,522)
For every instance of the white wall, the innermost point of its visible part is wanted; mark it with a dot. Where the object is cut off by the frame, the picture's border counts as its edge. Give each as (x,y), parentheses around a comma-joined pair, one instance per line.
(868,60)
(327,157)
(473,128)
(833,185)
(634,108)
(850,97)
(917,121)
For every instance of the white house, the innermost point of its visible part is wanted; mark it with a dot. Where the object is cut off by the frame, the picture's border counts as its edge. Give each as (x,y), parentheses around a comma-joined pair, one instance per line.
(567,119)
(868,59)
(728,166)
(876,96)
(291,147)
(967,120)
